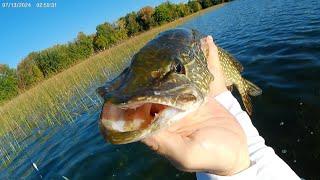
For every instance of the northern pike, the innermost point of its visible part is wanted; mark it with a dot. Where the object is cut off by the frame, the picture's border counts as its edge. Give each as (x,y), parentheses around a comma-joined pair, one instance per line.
(166,80)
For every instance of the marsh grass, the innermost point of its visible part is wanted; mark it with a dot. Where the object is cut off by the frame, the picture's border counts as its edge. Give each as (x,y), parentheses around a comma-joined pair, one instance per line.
(63,97)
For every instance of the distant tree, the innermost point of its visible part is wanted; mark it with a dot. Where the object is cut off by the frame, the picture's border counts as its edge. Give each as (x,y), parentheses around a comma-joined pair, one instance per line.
(132,25)
(105,36)
(39,65)
(85,44)
(164,13)
(121,31)
(28,72)
(214,2)
(183,10)
(145,17)
(194,6)
(53,60)
(173,10)
(205,3)
(81,48)
(8,83)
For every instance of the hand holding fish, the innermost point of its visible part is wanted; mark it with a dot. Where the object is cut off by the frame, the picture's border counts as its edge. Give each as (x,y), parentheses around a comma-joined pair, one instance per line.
(209,139)
(173,96)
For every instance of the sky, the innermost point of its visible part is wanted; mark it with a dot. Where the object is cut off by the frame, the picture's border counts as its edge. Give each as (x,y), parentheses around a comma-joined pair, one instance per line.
(23,30)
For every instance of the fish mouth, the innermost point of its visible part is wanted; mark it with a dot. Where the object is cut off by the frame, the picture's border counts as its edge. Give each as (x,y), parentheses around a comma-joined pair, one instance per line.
(139,112)
(136,116)
(131,115)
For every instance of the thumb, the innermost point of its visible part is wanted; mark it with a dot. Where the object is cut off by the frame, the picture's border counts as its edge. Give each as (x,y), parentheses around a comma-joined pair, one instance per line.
(174,147)
(166,143)
(218,85)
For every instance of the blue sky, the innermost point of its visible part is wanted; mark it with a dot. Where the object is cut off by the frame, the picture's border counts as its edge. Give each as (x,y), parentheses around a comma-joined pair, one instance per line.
(23,30)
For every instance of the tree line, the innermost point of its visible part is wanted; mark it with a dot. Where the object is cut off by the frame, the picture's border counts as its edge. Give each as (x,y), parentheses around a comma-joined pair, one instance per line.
(40,65)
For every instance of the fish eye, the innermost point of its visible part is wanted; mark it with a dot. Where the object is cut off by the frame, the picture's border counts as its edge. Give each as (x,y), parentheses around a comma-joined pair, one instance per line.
(178,68)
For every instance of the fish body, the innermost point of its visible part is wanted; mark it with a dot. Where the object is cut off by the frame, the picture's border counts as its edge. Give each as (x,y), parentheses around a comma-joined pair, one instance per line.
(232,69)
(166,80)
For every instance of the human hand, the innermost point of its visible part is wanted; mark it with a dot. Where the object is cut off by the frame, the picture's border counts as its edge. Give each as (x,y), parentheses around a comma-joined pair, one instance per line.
(209,139)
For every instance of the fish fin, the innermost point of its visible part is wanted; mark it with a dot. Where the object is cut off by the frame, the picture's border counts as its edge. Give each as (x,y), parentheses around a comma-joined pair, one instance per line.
(101,91)
(247,88)
(247,103)
(234,61)
(230,88)
(252,89)
(242,88)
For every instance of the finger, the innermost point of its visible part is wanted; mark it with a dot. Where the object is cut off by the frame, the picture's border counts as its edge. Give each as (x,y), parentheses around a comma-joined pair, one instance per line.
(218,85)
(213,57)
(170,145)
(176,149)
(226,123)
(209,41)
(209,110)
(160,141)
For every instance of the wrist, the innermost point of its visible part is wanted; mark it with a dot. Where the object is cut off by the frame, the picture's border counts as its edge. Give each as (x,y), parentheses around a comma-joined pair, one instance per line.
(243,164)
(215,89)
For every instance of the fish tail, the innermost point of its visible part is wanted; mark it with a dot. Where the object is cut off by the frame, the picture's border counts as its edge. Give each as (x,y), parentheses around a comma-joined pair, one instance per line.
(247,88)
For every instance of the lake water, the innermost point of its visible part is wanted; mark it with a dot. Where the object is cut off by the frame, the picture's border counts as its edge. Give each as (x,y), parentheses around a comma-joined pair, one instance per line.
(278,43)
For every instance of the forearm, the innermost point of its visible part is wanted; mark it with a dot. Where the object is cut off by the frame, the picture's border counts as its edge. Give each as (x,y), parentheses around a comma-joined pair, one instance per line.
(265,164)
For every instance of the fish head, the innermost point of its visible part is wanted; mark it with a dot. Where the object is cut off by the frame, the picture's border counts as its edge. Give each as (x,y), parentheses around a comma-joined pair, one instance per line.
(166,76)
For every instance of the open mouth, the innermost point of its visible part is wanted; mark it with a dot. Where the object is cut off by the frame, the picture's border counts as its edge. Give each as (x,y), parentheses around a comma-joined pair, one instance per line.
(134,117)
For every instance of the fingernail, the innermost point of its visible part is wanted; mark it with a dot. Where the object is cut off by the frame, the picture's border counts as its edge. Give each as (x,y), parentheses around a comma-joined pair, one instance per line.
(210,37)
